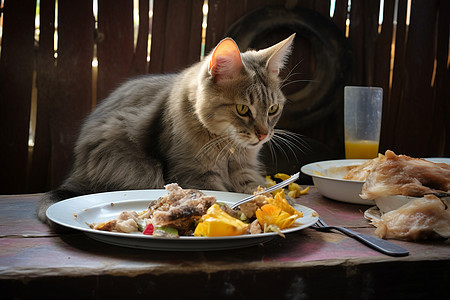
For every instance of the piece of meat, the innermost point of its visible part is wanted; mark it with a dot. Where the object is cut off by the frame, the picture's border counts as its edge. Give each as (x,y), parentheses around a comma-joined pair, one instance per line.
(255,227)
(126,222)
(427,217)
(361,172)
(403,175)
(181,208)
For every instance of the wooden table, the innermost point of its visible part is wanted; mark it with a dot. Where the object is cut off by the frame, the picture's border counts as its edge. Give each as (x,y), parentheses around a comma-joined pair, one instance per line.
(38,263)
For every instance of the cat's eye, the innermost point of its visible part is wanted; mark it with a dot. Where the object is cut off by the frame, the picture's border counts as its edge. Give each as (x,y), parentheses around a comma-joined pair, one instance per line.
(242,109)
(273,109)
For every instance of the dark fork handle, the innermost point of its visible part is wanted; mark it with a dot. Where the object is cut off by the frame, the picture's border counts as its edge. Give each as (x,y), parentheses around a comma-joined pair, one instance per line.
(376,243)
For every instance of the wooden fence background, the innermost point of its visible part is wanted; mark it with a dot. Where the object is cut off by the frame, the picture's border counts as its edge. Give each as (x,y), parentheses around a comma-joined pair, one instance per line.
(416,108)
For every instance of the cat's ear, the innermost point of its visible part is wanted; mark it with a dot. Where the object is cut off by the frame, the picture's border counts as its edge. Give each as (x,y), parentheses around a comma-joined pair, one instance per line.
(226,62)
(279,55)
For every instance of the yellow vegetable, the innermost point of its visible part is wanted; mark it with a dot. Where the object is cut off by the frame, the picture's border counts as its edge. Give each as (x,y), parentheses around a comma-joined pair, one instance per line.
(296,191)
(216,222)
(282,176)
(280,201)
(270,214)
(270,182)
(278,212)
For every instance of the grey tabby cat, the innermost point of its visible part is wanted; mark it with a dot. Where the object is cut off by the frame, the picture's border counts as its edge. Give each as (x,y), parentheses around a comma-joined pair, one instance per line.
(202,128)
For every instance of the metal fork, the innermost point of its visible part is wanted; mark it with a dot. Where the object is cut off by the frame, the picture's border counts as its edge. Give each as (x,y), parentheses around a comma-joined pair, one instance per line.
(268,190)
(376,243)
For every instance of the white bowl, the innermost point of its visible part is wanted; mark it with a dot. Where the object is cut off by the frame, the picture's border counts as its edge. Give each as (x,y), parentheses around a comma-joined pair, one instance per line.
(327,177)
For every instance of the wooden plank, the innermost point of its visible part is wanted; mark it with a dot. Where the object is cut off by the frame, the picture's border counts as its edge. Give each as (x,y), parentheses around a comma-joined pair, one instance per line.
(440,135)
(382,60)
(415,117)
(139,63)
(195,32)
(116,46)
(370,37)
(396,93)
(74,70)
(16,76)
(47,89)
(222,14)
(356,38)
(158,36)
(340,14)
(176,36)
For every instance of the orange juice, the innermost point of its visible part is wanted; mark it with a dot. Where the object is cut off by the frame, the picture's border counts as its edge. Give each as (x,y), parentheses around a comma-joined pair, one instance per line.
(361,149)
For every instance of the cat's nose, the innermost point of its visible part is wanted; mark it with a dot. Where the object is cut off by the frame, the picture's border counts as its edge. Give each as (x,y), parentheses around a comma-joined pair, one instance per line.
(261,136)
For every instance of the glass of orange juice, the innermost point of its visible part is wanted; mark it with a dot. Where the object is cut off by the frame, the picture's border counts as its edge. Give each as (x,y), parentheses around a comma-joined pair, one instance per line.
(362,121)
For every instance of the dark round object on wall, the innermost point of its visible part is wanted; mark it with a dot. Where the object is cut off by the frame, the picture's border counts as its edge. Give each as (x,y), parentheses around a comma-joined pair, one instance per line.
(315,98)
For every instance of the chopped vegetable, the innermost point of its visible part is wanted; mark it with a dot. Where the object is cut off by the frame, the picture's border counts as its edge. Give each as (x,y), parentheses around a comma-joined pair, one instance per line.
(216,222)
(273,228)
(141,224)
(149,229)
(270,182)
(166,231)
(162,231)
(296,191)
(282,176)
(278,212)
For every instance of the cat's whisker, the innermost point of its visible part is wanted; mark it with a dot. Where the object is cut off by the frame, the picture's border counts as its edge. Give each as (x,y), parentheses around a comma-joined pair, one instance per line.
(294,137)
(279,146)
(292,140)
(210,146)
(272,152)
(239,150)
(290,74)
(287,141)
(297,81)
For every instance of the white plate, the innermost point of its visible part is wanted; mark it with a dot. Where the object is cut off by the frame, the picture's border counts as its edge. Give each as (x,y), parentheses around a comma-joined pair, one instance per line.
(331,185)
(78,212)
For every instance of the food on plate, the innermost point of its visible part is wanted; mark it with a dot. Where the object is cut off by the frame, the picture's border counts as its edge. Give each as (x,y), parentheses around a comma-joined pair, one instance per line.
(425,216)
(294,189)
(277,212)
(126,222)
(180,208)
(190,212)
(217,222)
(422,218)
(393,174)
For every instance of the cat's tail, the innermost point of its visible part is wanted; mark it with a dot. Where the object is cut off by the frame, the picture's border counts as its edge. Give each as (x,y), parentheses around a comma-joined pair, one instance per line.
(52,197)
